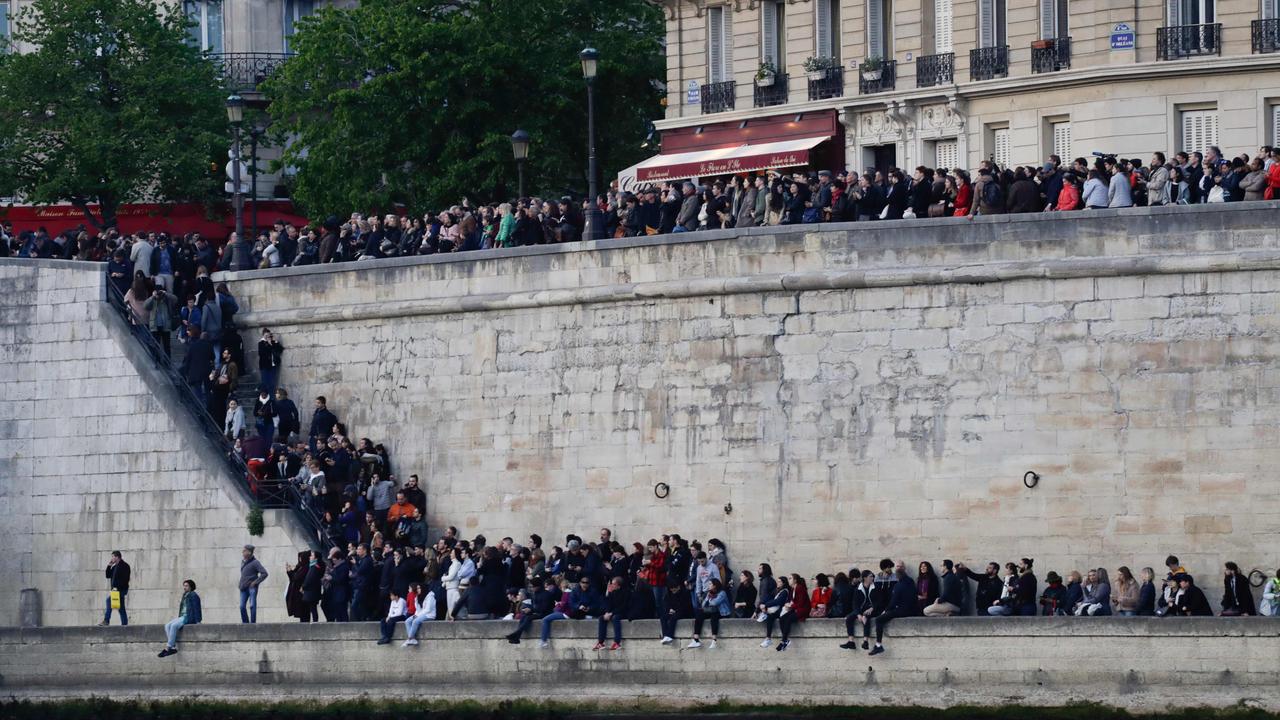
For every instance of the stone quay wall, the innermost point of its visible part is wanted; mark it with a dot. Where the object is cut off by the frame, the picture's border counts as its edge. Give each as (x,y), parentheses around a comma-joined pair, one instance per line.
(96,455)
(825,395)
(1137,663)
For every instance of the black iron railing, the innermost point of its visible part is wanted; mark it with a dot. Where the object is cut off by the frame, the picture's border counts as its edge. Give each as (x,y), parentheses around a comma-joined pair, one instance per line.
(1051,55)
(870,82)
(829,86)
(1266,35)
(933,70)
(989,62)
(246,71)
(719,96)
(280,494)
(1183,41)
(774,94)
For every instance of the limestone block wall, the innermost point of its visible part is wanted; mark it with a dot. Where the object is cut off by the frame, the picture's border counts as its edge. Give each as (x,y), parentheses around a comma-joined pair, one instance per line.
(93,459)
(826,396)
(1145,664)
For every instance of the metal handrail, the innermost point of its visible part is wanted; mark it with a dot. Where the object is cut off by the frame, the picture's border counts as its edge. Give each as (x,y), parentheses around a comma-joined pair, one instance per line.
(290,497)
(933,70)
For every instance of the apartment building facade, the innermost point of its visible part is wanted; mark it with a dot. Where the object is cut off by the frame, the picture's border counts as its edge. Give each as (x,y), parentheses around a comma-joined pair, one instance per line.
(947,83)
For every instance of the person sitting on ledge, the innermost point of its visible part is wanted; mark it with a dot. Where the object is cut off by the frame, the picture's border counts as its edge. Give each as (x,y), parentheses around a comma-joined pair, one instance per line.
(616,602)
(1097,594)
(1191,601)
(1004,604)
(949,593)
(989,586)
(902,603)
(396,613)
(1054,595)
(1237,598)
(869,600)
(188,614)
(542,604)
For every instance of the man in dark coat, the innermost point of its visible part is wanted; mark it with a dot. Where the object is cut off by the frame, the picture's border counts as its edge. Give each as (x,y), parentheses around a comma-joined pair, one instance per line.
(322,422)
(288,413)
(118,575)
(197,364)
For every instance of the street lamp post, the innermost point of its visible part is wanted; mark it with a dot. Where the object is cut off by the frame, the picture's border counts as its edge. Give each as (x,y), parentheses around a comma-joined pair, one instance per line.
(256,133)
(235,115)
(520,149)
(590,61)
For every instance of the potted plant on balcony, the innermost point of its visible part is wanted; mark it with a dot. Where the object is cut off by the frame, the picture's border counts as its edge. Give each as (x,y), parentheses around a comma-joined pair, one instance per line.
(1044,44)
(766,75)
(818,68)
(872,69)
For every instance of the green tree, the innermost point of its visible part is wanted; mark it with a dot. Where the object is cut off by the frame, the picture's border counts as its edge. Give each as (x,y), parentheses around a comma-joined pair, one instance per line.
(110,105)
(414,101)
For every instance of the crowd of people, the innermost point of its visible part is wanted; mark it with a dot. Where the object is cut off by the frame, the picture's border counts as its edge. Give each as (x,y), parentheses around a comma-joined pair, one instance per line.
(748,200)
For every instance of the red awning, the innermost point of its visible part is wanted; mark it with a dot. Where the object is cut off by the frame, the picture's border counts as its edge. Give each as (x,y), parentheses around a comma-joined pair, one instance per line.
(175,218)
(728,160)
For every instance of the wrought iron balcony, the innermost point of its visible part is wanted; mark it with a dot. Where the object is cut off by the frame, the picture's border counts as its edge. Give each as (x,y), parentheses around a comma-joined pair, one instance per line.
(246,71)
(830,85)
(989,62)
(1051,55)
(774,93)
(1183,41)
(719,96)
(933,70)
(1266,35)
(873,82)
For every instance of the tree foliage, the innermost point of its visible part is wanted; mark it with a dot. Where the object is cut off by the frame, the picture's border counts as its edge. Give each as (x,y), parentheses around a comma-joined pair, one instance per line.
(109,105)
(414,101)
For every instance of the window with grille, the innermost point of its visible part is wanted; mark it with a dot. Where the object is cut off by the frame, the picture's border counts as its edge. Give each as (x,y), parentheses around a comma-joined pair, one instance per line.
(991,23)
(1061,139)
(1053,19)
(1000,147)
(206,32)
(717,45)
(1270,9)
(942,26)
(827,17)
(1199,130)
(295,10)
(879,28)
(1275,125)
(772,32)
(946,154)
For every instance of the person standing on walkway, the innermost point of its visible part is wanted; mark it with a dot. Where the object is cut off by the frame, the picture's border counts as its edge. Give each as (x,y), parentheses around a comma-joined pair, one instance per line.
(188,614)
(252,574)
(118,578)
(269,352)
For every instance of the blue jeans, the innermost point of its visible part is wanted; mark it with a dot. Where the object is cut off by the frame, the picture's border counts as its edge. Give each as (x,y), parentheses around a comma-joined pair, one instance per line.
(680,228)
(412,624)
(249,596)
(616,622)
(124,616)
(546,624)
(171,629)
(1000,610)
(270,378)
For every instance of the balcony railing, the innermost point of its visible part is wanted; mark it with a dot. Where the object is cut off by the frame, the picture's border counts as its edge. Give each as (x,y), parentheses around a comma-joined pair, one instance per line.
(989,62)
(1266,35)
(1051,55)
(773,94)
(1183,41)
(830,85)
(933,70)
(719,96)
(246,71)
(886,79)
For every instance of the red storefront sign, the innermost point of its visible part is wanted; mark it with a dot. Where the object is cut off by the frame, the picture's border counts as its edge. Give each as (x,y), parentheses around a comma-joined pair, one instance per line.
(174,219)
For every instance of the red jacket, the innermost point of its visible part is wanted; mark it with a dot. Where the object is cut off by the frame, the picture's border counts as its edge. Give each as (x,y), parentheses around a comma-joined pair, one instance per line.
(1273,182)
(964,198)
(655,573)
(800,602)
(1069,197)
(821,596)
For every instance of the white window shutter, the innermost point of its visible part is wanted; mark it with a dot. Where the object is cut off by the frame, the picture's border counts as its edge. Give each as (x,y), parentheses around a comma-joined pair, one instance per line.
(875,28)
(1268,9)
(1001,149)
(822,14)
(942,27)
(715,45)
(1173,12)
(769,29)
(1062,139)
(1048,19)
(1275,125)
(1210,128)
(986,23)
(1199,130)
(945,156)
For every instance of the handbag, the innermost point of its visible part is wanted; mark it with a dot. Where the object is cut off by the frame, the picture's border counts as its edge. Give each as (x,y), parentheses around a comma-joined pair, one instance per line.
(818,611)
(908,214)
(115,599)
(938,209)
(810,216)
(884,213)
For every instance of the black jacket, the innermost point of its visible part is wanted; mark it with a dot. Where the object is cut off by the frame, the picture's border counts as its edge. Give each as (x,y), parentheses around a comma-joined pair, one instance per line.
(322,422)
(950,590)
(898,200)
(288,413)
(1194,603)
(989,589)
(198,362)
(311,583)
(921,198)
(1238,595)
(119,576)
(269,354)
(871,202)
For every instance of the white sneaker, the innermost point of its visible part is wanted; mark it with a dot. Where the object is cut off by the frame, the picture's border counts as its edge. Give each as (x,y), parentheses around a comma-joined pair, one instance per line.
(765,642)
(711,645)
(666,640)
(544,644)
(409,643)
(761,617)
(694,644)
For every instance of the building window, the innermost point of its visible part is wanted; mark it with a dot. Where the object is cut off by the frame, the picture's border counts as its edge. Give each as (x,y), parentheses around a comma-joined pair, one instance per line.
(1199,130)
(879,28)
(946,154)
(942,27)
(295,10)
(718,60)
(991,24)
(1053,19)
(1270,9)
(1191,12)
(827,19)
(773,33)
(5,32)
(1000,146)
(1060,138)
(206,29)
(1275,125)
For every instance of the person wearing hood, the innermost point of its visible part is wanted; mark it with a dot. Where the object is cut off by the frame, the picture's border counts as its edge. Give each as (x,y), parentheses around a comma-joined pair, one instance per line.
(1237,596)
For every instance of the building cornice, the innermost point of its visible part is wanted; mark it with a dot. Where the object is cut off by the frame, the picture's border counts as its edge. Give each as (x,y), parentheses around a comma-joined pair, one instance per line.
(1155,70)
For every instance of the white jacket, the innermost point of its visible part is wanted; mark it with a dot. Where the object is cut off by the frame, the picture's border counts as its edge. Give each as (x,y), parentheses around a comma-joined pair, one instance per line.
(398,608)
(234,425)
